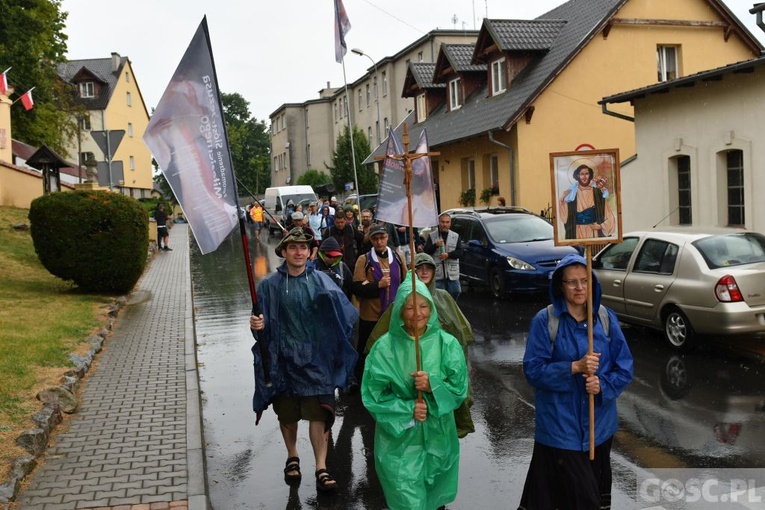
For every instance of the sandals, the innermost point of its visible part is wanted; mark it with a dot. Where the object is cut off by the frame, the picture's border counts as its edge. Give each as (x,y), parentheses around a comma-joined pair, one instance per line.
(325,482)
(292,465)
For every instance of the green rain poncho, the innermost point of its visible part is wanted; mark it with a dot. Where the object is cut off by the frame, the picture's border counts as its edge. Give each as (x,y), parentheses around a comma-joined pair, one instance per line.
(417,462)
(454,322)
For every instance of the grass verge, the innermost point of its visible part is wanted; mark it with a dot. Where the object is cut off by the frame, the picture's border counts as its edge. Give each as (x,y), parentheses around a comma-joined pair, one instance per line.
(42,320)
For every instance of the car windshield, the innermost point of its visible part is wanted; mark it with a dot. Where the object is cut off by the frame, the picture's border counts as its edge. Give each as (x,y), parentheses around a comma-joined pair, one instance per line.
(518,228)
(732,250)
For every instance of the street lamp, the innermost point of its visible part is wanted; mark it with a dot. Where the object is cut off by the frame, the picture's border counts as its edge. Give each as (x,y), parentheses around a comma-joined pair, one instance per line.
(377,95)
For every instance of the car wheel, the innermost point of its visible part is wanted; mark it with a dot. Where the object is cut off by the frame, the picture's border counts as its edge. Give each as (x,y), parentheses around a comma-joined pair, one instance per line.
(496,283)
(678,330)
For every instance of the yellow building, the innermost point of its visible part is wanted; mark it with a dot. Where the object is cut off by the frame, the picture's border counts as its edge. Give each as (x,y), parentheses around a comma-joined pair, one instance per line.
(497,109)
(109,91)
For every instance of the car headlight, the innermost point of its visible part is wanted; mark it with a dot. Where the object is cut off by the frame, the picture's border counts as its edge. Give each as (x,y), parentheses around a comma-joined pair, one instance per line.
(520,264)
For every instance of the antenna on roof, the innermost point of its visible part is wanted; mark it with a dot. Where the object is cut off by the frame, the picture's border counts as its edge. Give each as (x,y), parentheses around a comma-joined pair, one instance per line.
(455,19)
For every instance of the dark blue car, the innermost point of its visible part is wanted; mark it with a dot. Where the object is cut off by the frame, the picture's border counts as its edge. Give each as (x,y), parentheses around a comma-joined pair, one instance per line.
(509,249)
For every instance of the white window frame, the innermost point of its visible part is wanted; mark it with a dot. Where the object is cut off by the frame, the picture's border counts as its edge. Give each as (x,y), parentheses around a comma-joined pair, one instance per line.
(87,89)
(129,98)
(132,163)
(369,95)
(130,129)
(85,123)
(498,76)
(667,61)
(455,94)
(385,83)
(471,173)
(422,108)
(493,170)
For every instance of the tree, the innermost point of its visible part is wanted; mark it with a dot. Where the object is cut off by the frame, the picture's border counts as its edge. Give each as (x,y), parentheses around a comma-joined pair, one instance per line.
(249,142)
(342,162)
(32,42)
(314,178)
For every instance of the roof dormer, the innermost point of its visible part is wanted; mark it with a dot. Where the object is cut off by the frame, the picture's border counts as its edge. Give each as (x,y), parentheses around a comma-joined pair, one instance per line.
(455,69)
(418,84)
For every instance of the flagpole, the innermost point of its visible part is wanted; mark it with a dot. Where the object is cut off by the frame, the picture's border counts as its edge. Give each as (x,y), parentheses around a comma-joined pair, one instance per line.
(22,95)
(242,226)
(350,130)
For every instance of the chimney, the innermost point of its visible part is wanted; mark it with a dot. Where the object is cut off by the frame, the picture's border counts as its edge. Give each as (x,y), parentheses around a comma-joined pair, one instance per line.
(327,84)
(116,61)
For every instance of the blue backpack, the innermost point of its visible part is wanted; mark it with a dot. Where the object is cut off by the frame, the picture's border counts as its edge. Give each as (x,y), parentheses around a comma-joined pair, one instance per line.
(553,322)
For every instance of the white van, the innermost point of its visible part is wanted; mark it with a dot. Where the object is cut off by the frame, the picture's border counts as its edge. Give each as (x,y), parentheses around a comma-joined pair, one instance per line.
(276,198)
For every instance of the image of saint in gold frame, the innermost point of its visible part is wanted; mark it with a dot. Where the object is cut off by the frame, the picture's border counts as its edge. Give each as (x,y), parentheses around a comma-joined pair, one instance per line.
(586,197)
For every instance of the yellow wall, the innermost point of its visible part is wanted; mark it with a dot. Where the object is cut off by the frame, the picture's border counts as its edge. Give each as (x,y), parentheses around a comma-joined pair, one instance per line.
(6,147)
(18,189)
(118,115)
(567,113)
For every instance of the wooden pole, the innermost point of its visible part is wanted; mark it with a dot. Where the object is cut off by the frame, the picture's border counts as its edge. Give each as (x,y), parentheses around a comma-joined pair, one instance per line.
(590,347)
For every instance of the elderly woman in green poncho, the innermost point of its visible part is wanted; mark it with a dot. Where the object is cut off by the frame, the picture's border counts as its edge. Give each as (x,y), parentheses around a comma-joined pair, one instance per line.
(416,446)
(451,319)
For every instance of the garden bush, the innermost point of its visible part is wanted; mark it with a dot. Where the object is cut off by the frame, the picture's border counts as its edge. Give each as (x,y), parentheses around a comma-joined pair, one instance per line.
(97,240)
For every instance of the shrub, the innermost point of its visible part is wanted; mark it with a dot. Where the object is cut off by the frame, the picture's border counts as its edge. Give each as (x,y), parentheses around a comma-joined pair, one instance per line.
(467,197)
(98,240)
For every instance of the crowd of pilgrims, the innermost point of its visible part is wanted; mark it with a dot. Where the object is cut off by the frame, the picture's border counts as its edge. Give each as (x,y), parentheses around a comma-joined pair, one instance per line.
(352,271)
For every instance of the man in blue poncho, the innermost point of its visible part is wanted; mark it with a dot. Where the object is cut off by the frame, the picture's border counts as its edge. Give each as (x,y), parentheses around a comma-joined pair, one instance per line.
(306,325)
(416,446)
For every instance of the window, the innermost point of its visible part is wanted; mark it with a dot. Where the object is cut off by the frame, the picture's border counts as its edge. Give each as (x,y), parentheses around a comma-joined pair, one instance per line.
(735,170)
(667,62)
(498,76)
(87,89)
(132,163)
(360,95)
(85,124)
(494,172)
(468,173)
(87,157)
(617,257)
(335,108)
(369,95)
(684,190)
(127,77)
(422,108)
(308,156)
(656,257)
(385,83)
(455,94)
(386,124)
(369,135)
(130,129)
(377,130)
(129,99)
(419,56)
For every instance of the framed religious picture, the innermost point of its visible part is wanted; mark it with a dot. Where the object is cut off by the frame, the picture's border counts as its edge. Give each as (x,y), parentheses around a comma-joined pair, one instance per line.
(586,197)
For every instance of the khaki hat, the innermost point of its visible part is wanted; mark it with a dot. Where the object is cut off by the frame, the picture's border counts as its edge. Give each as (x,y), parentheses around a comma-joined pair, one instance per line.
(423,258)
(296,235)
(377,229)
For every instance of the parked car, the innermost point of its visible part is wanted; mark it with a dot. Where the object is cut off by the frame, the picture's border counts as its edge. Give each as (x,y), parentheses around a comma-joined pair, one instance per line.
(686,282)
(510,249)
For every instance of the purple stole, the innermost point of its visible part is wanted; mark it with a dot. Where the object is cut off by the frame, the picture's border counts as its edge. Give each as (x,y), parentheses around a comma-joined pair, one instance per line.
(389,293)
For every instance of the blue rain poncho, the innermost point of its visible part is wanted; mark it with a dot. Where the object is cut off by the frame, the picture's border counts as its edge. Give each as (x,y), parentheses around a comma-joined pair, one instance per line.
(417,462)
(309,325)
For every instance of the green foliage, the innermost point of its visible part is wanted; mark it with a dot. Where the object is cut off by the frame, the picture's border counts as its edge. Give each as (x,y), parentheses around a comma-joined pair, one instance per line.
(32,43)
(467,198)
(342,162)
(249,141)
(97,240)
(486,194)
(314,178)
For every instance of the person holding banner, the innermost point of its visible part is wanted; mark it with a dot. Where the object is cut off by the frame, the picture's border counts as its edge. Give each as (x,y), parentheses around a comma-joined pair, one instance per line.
(557,364)
(416,445)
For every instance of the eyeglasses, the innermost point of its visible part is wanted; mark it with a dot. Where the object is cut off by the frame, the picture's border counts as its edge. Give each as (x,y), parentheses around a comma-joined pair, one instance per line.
(573,284)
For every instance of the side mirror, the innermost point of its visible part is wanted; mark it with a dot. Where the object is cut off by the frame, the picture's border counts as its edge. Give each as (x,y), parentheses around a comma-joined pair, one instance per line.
(475,243)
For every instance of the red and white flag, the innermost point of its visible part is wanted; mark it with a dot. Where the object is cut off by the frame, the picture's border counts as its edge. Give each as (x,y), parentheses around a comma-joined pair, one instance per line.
(342,27)
(26,100)
(3,84)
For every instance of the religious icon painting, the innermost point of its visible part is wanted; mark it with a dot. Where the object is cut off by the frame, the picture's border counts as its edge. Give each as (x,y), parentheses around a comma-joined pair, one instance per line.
(586,197)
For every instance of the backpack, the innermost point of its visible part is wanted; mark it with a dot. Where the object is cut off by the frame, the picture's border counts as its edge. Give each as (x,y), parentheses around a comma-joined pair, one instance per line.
(553,320)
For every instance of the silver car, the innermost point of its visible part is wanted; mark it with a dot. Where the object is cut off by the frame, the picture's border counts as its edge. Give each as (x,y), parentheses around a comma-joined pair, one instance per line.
(686,282)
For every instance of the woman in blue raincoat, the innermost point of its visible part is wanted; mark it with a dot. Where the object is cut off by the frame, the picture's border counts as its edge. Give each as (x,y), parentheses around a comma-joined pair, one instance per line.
(416,445)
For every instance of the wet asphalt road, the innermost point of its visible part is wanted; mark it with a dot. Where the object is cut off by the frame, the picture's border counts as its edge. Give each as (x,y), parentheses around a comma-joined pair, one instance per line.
(706,409)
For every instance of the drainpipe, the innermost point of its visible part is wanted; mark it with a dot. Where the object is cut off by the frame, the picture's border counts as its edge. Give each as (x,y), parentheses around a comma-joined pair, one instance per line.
(512,159)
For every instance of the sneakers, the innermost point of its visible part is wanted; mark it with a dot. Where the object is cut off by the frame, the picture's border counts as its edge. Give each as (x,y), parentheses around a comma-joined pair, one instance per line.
(167,248)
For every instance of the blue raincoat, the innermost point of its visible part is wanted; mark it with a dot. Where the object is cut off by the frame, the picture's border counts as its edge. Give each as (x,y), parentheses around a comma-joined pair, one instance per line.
(309,325)
(562,403)
(417,462)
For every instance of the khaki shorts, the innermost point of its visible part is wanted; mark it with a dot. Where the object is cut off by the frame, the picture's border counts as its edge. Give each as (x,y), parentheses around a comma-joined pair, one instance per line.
(293,409)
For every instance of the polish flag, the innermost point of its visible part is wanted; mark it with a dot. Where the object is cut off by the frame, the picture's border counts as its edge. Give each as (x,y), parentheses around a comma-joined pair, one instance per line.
(3,85)
(26,100)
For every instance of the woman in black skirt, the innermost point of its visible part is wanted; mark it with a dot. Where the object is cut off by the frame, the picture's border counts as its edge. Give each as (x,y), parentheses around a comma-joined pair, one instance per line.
(561,475)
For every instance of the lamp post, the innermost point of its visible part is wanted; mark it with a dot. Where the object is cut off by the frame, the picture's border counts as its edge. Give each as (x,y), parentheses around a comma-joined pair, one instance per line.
(377,92)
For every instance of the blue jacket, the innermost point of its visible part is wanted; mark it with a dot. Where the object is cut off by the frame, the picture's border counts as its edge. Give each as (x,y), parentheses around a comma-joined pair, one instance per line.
(309,349)
(562,404)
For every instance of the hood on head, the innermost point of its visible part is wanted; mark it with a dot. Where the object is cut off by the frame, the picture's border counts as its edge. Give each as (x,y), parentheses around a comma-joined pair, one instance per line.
(396,321)
(556,295)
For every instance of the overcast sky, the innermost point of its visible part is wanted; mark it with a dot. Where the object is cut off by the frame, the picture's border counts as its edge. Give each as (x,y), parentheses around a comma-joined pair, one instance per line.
(276,52)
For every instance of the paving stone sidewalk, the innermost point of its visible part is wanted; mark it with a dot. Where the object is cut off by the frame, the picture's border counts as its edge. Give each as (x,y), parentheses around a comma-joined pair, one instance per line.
(136,441)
